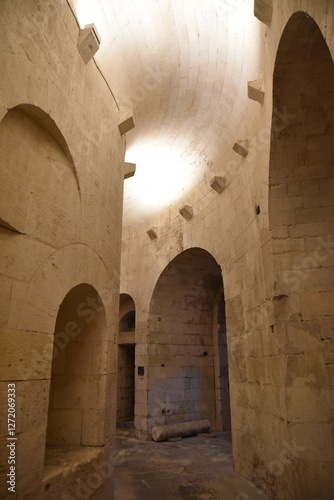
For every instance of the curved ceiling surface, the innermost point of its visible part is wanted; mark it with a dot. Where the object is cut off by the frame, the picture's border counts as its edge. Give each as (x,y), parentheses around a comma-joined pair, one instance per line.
(177,64)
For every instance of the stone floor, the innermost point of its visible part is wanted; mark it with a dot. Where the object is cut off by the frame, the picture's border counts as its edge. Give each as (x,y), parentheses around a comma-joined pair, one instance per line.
(195,468)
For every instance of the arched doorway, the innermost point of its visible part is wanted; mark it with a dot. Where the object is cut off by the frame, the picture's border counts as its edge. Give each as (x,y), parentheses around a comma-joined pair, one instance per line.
(78,379)
(301,215)
(183,360)
(42,175)
(126,361)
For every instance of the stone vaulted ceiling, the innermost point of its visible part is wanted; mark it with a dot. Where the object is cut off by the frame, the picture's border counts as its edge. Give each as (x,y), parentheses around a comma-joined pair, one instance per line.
(179,65)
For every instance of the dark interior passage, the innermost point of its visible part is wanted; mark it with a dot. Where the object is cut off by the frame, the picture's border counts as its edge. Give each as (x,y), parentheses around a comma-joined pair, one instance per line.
(125,385)
(126,361)
(223,367)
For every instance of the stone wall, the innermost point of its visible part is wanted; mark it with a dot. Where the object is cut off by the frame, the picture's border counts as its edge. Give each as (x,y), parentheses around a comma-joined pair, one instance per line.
(125,383)
(60,230)
(267,238)
(126,360)
(279,339)
(301,220)
(181,353)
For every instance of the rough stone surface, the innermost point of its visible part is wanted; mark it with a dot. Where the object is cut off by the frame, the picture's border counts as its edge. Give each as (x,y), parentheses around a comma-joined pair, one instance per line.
(233,309)
(183,429)
(278,376)
(59,178)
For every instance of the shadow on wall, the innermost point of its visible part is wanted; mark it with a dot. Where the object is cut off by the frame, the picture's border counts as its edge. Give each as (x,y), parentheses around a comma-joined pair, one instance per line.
(126,361)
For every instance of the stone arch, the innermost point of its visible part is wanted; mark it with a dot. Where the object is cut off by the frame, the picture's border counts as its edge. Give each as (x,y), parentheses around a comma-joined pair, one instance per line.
(301,218)
(78,377)
(43,160)
(182,348)
(126,361)
(215,245)
(127,313)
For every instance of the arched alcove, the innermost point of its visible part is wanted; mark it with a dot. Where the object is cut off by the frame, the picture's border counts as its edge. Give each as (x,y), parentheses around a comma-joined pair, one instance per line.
(77,389)
(183,350)
(301,215)
(126,361)
(39,184)
(128,322)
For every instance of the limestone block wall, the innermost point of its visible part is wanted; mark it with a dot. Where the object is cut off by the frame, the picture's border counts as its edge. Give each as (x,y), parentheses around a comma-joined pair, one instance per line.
(181,352)
(302,226)
(60,232)
(126,359)
(270,232)
(79,372)
(125,382)
(279,340)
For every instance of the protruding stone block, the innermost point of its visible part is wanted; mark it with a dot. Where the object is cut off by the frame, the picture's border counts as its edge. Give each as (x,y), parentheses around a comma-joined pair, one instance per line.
(126,122)
(263,10)
(186,212)
(241,147)
(88,42)
(129,170)
(152,234)
(218,184)
(255,91)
